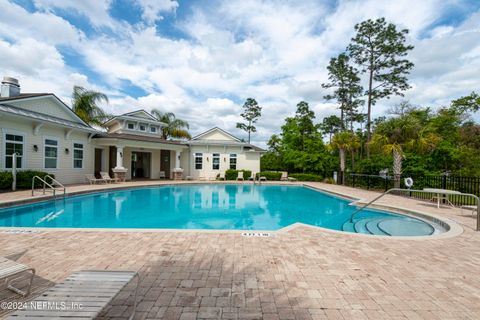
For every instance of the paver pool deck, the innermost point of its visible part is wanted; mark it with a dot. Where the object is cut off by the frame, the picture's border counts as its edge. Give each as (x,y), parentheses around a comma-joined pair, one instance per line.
(300,273)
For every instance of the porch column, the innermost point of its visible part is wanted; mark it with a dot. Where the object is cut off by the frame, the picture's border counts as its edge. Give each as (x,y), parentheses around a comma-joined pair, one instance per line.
(119,172)
(177,159)
(119,158)
(177,171)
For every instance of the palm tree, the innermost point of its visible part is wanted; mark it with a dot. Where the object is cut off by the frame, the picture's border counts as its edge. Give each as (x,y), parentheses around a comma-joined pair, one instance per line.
(344,141)
(175,128)
(396,135)
(85,105)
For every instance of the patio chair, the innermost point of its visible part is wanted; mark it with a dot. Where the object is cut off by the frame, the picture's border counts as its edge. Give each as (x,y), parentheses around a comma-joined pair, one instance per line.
(285,177)
(106,177)
(91,178)
(252,177)
(92,290)
(9,269)
(240,176)
(221,176)
(162,175)
(472,209)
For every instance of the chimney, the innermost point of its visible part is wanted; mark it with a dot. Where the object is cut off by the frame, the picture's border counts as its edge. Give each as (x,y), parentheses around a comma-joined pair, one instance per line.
(10,87)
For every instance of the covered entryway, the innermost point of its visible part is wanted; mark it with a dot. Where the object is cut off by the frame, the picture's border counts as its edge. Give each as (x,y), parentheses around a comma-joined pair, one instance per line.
(165,162)
(98,162)
(140,165)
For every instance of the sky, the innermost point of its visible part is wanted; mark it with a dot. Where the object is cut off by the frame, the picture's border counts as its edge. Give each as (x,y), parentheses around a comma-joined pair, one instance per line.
(203,59)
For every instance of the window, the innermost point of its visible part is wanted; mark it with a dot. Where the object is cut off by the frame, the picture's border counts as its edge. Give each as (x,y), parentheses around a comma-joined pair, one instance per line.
(131,126)
(233,161)
(153,129)
(51,153)
(13,144)
(198,161)
(216,161)
(143,127)
(78,155)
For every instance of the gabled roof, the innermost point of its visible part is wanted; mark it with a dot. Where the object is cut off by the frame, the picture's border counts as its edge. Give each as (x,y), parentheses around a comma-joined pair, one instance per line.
(41,117)
(34,96)
(138,115)
(223,132)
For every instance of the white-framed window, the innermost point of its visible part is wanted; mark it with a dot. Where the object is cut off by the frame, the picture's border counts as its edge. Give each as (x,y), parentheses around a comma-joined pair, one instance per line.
(50,153)
(216,161)
(153,129)
(198,161)
(14,143)
(233,161)
(77,155)
(130,126)
(143,127)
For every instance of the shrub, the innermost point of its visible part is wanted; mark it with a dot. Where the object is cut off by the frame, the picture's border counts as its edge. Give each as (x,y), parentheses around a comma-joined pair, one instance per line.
(24,178)
(270,175)
(306,177)
(231,174)
(6,180)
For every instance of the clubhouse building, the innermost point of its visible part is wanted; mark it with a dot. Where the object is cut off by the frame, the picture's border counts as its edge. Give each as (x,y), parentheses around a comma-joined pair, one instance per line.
(47,135)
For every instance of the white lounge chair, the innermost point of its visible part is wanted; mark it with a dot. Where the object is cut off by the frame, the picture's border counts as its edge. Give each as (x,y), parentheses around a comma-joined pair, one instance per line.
(285,177)
(252,177)
(106,177)
(472,209)
(91,289)
(91,179)
(162,175)
(9,269)
(240,176)
(221,176)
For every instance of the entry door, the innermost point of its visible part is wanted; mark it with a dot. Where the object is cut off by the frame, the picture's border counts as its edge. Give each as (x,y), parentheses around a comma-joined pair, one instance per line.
(165,162)
(98,162)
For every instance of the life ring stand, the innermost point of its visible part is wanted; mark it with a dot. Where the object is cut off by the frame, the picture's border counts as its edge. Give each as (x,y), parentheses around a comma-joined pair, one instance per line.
(408,182)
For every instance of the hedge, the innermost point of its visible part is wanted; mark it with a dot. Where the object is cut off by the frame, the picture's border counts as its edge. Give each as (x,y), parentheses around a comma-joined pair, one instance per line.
(306,177)
(24,179)
(270,175)
(231,174)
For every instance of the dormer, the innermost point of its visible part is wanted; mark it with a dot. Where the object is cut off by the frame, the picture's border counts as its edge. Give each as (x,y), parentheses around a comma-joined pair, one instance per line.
(138,122)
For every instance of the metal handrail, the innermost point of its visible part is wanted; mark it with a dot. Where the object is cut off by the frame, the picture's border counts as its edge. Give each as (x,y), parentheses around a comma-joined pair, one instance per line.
(53,180)
(45,183)
(421,191)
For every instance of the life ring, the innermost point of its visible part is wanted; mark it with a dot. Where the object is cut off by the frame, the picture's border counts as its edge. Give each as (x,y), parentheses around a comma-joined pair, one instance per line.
(408,182)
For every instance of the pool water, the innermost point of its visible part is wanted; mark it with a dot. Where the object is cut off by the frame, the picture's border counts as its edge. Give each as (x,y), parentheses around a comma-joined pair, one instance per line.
(210,206)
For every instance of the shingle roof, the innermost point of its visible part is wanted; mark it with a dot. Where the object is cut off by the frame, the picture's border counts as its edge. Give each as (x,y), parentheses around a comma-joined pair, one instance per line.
(135,137)
(24,96)
(4,107)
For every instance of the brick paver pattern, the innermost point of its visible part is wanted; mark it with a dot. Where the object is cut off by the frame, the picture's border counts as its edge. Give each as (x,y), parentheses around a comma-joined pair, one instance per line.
(302,273)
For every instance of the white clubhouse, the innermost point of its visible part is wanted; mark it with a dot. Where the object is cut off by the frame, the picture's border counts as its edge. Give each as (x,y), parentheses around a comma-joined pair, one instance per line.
(47,135)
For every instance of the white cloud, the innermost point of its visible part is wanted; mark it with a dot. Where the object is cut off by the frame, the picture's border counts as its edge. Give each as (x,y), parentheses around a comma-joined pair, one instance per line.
(276,52)
(152,9)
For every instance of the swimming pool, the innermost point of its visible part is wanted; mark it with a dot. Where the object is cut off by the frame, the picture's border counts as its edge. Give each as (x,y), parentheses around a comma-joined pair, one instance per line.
(210,206)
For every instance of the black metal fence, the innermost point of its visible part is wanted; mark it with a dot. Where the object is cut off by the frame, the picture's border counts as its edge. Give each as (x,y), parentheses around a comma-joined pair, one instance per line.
(383,183)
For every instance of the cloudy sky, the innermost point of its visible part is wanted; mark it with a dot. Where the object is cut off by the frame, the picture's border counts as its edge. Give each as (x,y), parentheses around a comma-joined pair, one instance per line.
(202,59)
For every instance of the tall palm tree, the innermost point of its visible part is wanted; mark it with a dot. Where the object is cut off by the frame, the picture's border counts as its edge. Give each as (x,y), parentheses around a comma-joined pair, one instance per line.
(175,128)
(399,134)
(344,141)
(85,105)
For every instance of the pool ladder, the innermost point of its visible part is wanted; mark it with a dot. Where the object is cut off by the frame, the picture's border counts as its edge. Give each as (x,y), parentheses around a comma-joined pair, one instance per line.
(53,186)
(420,191)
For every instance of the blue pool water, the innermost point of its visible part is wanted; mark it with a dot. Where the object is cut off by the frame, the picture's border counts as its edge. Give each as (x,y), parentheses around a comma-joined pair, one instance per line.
(210,206)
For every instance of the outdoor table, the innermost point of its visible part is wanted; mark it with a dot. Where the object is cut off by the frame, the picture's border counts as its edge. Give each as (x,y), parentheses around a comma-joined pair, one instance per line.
(442,194)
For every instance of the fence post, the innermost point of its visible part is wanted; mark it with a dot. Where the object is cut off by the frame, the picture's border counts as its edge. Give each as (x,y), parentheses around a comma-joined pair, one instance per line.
(444,184)
(368,182)
(353,179)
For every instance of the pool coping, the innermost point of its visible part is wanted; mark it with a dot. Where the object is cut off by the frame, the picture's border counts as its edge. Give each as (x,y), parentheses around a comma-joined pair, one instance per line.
(453,228)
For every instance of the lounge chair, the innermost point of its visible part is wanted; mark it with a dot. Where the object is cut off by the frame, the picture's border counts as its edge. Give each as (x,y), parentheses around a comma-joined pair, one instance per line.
(91,290)
(240,176)
(285,177)
(472,209)
(162,175)
(9,269)
(91,179)
(252,177)
(106,177)
(221,176)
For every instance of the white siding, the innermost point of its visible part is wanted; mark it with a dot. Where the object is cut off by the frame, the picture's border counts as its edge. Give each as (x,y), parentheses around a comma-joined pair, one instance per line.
(65,173)
(46,105)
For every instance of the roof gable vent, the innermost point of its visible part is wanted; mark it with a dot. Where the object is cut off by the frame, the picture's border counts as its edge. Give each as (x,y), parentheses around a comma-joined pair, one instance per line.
(10,87)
